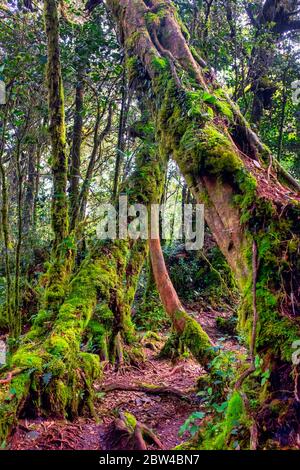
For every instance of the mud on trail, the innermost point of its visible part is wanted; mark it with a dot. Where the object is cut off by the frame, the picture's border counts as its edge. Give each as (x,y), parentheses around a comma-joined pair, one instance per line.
(163,413)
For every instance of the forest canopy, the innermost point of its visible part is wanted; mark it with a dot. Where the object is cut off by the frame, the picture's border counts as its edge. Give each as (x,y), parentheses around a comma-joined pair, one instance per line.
(179,331)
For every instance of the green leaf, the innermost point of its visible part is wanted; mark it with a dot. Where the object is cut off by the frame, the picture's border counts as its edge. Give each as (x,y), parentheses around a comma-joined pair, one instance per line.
(194,430)
(197,415)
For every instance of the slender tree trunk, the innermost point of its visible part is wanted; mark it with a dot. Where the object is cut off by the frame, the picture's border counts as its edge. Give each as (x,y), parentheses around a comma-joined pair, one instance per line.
(121,136)
(36,187)
(282,118)
(62,255)
(5,224)
(29,192)
(79,208)
(16,330)
(60,219)
(76,148)
(188,329)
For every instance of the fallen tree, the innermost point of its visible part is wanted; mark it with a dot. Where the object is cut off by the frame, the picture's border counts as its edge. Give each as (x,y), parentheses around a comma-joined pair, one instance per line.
(248,197)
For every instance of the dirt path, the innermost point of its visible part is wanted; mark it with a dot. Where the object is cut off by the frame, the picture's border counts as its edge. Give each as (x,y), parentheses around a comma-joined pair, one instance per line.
(164,414)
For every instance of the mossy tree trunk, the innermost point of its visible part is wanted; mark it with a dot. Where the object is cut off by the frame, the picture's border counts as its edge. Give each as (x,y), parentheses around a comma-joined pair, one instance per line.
(62,253)
(57,126)
(247,196)
(5,231)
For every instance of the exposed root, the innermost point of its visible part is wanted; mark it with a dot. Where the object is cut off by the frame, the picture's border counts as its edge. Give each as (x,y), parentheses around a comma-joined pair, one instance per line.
(10,376)
(127,433)
(146,388)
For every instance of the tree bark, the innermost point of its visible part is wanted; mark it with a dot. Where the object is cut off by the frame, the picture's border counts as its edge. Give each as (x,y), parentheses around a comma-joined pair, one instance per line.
(121,135)
(187,329)
(62,256)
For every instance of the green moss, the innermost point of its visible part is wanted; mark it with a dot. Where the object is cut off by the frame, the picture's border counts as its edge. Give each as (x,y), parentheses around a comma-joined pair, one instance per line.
(222,104)
(276,245)
(54,293)
(186,130)
(159,63)
(219,155)
(151,335)
(57,345)
(172,348)
(41,318)
(153,19)
(227,325)
(61,398)
(56,367)
(196,340)
(224,436)
(135,355)
(27,358)
(91,365)
(130,421)
(11,402)
(149,386)
(131,65)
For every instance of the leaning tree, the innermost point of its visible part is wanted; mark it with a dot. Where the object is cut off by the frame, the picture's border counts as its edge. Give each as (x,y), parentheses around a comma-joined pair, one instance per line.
(251,204)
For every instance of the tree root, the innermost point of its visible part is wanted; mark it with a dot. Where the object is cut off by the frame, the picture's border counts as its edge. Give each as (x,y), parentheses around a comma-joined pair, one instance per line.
(127,433)
(10,376)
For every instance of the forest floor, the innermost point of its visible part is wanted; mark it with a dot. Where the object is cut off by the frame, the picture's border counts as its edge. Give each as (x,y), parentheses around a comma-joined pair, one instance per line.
(162,413)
